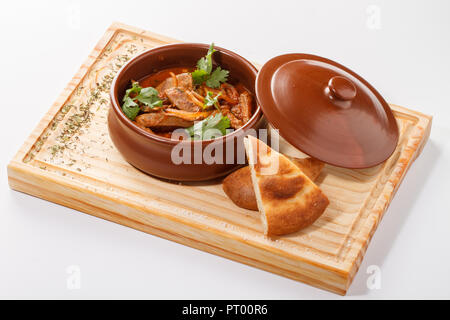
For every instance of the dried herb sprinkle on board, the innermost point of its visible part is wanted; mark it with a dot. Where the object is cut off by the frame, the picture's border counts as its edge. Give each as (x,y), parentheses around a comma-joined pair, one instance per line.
(81,118)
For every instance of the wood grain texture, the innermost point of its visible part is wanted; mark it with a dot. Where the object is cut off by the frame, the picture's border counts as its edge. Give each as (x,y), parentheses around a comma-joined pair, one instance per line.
(70,160)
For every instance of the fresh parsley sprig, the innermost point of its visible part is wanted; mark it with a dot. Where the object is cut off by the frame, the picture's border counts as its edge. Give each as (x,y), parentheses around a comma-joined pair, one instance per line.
(212,101)
(217,77)
(217,122)
(204,72)
(147,96)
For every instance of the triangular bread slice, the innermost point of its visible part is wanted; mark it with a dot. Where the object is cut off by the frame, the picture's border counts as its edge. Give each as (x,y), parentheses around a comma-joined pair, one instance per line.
(238,185)
(287,199)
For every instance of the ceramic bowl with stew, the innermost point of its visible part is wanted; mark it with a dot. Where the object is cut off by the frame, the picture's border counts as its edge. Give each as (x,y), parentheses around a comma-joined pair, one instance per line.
(153,154)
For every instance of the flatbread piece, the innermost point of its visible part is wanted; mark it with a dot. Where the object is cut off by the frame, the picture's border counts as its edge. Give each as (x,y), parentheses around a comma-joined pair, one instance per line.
(287,199)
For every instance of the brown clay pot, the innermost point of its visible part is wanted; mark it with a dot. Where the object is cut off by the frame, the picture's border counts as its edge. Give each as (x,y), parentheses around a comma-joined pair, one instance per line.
(152,153)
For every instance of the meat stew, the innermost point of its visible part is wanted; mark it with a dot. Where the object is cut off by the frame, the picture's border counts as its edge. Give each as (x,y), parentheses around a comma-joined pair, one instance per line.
(189,98)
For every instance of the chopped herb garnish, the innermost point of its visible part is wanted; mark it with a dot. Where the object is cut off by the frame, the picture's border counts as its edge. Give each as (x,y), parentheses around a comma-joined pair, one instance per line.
(199,76)
(218,76)
(150,97)
(212,101)
(204,69)
(200,129)
(146,96)
(205,63)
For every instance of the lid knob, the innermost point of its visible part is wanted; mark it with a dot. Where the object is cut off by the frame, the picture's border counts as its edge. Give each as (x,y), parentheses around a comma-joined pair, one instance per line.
(341,88)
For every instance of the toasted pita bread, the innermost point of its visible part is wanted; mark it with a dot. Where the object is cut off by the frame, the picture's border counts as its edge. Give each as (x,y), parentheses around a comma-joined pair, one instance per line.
(239,188)
(287,199)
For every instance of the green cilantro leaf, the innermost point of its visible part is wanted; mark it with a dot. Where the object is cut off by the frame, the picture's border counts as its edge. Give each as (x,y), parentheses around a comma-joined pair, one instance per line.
(150,97)
(204,69)
(202,65)
(147,96)
(130,108)
(200,128)
(219,122)
(205,63)
(135,89)
(212,101)
(217,77)
(199,76)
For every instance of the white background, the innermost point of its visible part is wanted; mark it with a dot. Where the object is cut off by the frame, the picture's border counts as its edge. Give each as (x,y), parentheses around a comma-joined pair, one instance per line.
(405,56)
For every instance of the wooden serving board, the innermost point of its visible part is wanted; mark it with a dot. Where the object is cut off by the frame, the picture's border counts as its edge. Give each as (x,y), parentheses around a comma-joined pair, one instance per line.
(69,159)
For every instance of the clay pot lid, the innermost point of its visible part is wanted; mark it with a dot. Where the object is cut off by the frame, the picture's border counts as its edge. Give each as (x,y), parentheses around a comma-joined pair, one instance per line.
(326,110)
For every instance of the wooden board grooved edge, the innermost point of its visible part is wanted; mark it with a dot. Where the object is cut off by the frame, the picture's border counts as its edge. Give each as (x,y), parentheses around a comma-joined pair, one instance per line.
(78,167)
